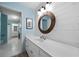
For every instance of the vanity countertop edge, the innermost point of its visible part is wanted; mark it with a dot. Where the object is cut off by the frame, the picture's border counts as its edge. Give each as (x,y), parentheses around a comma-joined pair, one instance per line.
(55,49)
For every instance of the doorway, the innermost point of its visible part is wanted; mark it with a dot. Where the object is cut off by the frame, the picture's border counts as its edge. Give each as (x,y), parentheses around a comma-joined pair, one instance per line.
(13,23)
(13,46)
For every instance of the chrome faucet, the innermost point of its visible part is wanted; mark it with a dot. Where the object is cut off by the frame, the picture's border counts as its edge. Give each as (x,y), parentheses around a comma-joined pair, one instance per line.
(43,37)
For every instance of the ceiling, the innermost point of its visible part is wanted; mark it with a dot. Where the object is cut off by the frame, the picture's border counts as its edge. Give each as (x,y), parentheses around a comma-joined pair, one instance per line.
(13,16)
(33,5)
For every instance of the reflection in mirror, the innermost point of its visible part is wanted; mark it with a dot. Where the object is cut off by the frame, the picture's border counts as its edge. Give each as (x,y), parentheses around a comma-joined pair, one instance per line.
(45,22)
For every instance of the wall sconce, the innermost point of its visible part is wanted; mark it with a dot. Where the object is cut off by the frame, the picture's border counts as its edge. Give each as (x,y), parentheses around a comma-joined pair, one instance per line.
(39,12)
(47,7)
(42,9)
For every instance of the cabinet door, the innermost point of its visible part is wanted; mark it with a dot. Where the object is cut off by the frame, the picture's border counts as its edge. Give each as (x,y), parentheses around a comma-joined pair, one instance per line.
(35,51)
(27,46)
(32,49)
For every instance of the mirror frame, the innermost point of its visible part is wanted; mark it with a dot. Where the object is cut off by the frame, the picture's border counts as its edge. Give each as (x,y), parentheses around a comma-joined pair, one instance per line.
(53,21)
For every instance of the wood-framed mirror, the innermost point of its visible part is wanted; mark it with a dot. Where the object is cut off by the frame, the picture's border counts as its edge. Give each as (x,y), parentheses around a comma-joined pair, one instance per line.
(46,22)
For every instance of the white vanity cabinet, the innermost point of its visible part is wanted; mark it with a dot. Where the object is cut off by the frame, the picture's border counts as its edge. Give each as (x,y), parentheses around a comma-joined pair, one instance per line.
(49,48)
(34,51)
(27,47)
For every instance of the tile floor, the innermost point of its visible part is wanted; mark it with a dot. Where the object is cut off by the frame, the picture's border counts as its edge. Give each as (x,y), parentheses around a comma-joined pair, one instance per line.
(23,54)
(12,48)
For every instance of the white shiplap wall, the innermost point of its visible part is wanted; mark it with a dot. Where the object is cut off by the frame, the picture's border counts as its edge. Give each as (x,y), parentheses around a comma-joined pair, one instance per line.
(67,23)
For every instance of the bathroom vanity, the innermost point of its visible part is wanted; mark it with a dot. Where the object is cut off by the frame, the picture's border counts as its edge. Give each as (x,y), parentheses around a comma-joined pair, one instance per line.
(37,47)
(33,49)
(44,47)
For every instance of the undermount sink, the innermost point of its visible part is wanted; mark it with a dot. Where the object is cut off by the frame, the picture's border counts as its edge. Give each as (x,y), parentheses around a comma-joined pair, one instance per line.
(40,40)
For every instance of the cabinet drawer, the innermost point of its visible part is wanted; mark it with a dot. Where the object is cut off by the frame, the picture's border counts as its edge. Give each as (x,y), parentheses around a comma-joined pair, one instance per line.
(34,51)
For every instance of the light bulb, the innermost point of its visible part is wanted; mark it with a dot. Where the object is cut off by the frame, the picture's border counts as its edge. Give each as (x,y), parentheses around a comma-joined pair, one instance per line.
(42,9)
(47,6)
(38,12)
(15,17)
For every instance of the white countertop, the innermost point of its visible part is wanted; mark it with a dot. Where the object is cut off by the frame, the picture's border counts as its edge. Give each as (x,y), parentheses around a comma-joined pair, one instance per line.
(54,48)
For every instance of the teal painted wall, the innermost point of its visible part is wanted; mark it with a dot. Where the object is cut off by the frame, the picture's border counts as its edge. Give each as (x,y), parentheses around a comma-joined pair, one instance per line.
(0,27)
(3,28)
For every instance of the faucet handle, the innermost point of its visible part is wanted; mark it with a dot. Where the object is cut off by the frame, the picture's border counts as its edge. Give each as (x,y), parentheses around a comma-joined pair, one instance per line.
(43,37)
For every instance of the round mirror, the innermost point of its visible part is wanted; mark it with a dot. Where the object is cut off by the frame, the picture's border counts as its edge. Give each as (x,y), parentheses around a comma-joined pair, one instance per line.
(46,22)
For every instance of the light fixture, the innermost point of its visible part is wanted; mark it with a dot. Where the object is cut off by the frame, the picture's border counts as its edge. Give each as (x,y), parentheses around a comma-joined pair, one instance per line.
(14,16)
(39,12)
(47,5)
(42,9)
